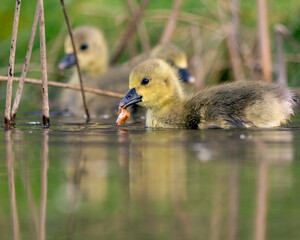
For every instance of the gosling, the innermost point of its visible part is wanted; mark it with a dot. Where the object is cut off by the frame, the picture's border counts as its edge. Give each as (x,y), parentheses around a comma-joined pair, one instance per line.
(92,56)
(154,84)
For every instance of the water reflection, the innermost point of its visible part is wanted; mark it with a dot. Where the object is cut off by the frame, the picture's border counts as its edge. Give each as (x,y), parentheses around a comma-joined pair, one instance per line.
(86,170)
(104,182)
(26,180)
(11,181)
(85,163)
(157,170)
(40,228)
(261,201)
(157,167)
(44,183)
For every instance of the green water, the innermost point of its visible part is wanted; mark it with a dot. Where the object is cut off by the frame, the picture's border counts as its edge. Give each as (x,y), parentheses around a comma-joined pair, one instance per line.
(101,181)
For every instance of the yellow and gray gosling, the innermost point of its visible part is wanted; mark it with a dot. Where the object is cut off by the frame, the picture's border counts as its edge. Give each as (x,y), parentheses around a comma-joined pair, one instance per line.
(154,84)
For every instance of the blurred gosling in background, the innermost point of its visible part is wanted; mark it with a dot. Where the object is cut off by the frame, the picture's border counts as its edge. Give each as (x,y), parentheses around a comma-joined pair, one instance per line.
(93,60)
(176,57)
(155,85)
(91,49)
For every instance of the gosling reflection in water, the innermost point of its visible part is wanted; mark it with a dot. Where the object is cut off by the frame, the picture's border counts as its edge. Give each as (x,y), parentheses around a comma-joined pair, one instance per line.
(157,168)
(86,170)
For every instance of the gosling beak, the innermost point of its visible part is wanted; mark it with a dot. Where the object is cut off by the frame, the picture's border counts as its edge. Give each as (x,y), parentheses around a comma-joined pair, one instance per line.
(185,76)
(67,61)
(131,98)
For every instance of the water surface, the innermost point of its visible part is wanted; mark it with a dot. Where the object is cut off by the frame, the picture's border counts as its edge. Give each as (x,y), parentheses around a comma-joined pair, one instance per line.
(99,181)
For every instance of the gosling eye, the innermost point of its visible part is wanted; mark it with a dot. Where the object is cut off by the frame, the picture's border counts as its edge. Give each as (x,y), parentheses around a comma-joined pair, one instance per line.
(145,81)
(84,47)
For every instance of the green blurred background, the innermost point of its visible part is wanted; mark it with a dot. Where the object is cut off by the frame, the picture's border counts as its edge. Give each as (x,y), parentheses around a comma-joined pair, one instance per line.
(199,31)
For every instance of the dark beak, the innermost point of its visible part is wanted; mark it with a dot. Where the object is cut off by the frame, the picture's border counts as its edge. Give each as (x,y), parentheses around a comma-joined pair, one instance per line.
(67,61)
(185,76)
(131,98)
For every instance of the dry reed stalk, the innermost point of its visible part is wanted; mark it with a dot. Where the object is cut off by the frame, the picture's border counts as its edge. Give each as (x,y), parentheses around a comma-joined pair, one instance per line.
(44,170)
(141,28)
(231,35)
(292,41)
(171,24)
(264,40)
(280,64)
(128,33)
(65,85)
(154,15)
(76,59)
(185,17)
(35,67)
(235,22)
(25,66)
(11,183)
(46,118)
(234,38)
(7,120)
(196,62)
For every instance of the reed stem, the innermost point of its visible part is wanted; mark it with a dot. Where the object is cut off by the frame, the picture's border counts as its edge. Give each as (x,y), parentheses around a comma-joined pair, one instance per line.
(25,66)
(76,59)
(44,184)
(280,56)
(171,24)
(264,41)
(129,32)
(7,120)
(65,85)
(231,29)
(141,28)
(12,185)
(45,110)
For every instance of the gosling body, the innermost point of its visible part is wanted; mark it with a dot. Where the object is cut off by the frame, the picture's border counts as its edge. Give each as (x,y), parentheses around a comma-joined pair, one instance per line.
(238,104)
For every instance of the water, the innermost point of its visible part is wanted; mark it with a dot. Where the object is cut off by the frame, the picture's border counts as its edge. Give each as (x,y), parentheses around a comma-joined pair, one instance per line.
(101,181)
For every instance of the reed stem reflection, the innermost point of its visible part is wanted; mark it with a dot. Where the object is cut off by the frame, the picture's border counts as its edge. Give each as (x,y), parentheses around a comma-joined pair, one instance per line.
(261,201)
(44,184)
(233,201)
(11,181)
(26,180)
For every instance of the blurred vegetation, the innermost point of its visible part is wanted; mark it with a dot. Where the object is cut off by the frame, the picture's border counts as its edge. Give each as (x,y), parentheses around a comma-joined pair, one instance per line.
(199,30)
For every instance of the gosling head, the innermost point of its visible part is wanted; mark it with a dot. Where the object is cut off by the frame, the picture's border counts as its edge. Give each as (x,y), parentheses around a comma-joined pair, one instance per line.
(176,57)
(153,83)
(91,51)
